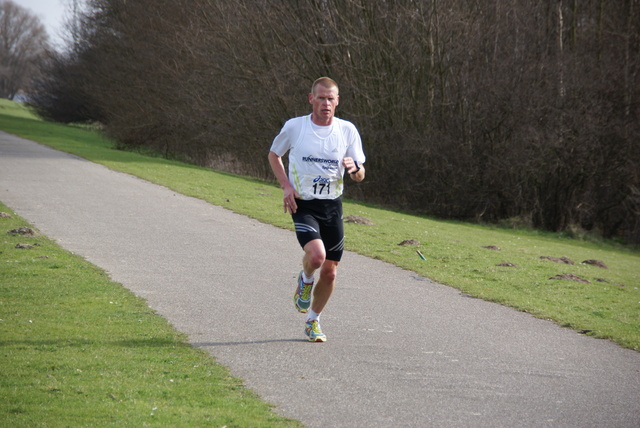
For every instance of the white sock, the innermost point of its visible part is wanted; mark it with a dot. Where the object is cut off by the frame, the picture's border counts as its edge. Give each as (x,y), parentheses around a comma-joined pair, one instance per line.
(312,316)
(306,279)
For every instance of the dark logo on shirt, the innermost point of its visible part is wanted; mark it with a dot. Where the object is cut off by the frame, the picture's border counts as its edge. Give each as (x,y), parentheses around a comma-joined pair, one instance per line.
(327,164)
(319,160)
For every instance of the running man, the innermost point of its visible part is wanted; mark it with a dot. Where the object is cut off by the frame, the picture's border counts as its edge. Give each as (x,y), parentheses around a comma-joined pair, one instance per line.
(321,148)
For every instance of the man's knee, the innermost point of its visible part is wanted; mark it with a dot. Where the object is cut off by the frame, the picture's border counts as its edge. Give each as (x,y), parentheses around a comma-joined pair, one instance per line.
(315,253)
(316,260)
(329,270)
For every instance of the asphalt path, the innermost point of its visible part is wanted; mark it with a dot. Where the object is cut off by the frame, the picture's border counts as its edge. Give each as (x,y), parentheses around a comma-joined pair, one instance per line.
(401,350)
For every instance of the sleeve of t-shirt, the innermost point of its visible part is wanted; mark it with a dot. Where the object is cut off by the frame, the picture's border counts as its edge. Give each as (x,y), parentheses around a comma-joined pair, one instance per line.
(283,141)
(354,149)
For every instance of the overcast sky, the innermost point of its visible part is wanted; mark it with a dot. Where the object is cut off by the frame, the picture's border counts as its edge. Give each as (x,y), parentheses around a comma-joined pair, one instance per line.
(51,13)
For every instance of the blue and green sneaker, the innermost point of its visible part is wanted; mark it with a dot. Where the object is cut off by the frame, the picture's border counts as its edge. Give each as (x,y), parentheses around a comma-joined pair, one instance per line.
(312,329)
(302,296)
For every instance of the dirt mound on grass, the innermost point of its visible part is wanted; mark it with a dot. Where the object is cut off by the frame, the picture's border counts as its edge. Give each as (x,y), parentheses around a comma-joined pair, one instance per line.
(564,260)
(358,220)
(24,231)
(598,263)
(571,277)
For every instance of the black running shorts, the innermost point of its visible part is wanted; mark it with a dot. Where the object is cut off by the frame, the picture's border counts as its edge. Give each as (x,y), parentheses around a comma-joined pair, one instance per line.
(321,219)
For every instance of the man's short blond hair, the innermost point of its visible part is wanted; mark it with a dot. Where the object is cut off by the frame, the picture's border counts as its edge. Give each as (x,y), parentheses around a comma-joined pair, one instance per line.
(326,82)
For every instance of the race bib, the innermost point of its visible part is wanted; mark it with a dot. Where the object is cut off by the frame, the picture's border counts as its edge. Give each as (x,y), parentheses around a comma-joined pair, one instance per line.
(320,187)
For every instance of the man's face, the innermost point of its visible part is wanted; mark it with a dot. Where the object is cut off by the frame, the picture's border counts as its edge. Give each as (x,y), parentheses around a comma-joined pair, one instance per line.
(324,102)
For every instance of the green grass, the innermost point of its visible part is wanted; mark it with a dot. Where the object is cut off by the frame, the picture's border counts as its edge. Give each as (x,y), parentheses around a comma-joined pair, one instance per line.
(13,109)
(80,350)
(608,309)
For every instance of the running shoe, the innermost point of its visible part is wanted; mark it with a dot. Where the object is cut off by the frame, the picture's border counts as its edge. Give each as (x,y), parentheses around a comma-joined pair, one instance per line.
(302,296)
(312,329)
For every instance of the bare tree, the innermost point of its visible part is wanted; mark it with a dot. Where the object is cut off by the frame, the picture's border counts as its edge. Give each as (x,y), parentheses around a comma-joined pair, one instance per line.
(23,40)
(73,21)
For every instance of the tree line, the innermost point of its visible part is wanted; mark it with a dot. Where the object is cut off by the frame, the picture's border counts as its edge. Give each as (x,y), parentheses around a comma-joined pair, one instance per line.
(498,111)
(23,42)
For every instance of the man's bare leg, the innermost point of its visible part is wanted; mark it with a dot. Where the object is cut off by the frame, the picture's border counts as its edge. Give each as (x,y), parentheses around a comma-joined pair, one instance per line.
(325,286)
(314,259)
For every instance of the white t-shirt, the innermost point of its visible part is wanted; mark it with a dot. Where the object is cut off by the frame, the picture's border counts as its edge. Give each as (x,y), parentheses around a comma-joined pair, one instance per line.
(315,161)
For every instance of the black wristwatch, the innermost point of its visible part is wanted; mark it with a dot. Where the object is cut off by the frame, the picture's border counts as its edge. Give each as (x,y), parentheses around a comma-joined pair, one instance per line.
(357,166)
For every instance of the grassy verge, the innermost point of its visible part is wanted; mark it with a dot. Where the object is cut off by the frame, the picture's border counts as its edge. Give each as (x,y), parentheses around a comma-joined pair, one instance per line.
(608,306)
(80,350)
